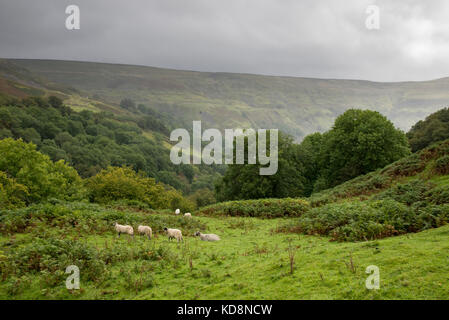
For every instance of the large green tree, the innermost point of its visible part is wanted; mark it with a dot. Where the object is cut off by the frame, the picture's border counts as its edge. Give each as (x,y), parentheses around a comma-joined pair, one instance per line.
(243,181)
(433,129)
(40,177)
(310,151)
(359,142)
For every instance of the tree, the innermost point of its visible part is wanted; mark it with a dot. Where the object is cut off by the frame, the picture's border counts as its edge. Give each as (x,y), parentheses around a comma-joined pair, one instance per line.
(359,142)
(12,194)
(203,197)
(41,177)
(128,104)
(55,102)
(243,181)
(122,183)
(433,129)
(310,153)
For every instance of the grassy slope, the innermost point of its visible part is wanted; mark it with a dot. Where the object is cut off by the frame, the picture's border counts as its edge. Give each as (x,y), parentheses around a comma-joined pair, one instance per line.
(252,259)
(295,105)
(252,263)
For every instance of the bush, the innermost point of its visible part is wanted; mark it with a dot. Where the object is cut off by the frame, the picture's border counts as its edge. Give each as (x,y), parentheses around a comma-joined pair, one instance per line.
(73,218)
(405,167)
(122,183)
(54,255)
(12,194)
(439,195)
(203,197)
(369,220)
(364,185)
(441,165)
(41,177)
(407,193)
(263,208)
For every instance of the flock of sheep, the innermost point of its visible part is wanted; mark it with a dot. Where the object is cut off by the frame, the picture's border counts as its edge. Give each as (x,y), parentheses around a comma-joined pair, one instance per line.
(171,233)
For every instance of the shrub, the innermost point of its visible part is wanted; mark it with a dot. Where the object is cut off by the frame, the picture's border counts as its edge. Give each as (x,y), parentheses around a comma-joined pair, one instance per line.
(42,177)
(12,194)
(368,220)
(407,193)
(439,195)
(364,185)
(203,197)
(76,217)
(263,208)
(441,165)
(54,255)
(405,167)
(123,183)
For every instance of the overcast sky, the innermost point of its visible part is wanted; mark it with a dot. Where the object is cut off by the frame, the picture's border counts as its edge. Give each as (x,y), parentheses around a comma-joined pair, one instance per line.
(313,38)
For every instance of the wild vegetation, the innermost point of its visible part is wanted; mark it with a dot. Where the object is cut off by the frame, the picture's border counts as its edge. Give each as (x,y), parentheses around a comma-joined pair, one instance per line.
(90,142)
(342,200)
(263,208)
(296,106)
(359,142)
(425,132)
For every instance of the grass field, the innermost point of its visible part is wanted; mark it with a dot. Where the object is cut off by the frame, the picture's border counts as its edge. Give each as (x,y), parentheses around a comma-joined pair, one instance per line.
(252,261)
(270,249)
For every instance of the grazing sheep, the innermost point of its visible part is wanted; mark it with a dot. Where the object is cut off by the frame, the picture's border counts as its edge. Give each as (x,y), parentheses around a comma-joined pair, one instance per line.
(145,230)
(207,236)
(188,215)
(124,229)
(177,211)
(174,233)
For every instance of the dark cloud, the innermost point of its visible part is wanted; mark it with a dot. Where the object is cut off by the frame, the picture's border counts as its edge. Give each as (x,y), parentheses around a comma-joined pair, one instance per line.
(320,38)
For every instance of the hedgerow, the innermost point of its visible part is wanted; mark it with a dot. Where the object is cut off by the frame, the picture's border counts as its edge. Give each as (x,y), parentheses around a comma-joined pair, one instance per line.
(262,208)
(368,220)
(76,217)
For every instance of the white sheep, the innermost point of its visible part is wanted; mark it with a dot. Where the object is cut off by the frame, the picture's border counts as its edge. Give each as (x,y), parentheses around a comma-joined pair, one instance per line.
(188,215)
(174,233)
(207,236)
(177,211)
(124,229)
(145,230)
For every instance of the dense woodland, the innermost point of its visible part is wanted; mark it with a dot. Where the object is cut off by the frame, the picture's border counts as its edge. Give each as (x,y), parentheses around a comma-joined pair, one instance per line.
(67,176)
(90,142)
(102,147)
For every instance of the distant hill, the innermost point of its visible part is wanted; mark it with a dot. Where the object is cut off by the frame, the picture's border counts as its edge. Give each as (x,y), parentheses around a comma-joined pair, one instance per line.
(298,106)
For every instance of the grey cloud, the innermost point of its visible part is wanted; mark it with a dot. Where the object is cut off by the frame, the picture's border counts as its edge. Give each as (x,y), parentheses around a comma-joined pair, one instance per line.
(321,38)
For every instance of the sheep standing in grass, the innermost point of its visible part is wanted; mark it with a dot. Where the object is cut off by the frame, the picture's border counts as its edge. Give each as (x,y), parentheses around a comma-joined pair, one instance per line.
(188,215)
(145,230)
(177,211)
(124,229)
(207,236)
(174,234)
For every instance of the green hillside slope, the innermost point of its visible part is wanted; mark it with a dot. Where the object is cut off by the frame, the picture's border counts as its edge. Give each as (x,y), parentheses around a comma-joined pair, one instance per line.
(407,196)
(295,105)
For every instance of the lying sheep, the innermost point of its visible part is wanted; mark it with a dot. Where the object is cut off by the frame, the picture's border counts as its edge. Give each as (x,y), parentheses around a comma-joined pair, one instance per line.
(145,230)
(188,215)
(207,236)
(124,229)
(177,211)
(174,233)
